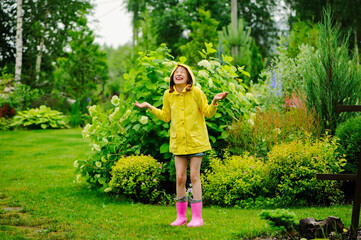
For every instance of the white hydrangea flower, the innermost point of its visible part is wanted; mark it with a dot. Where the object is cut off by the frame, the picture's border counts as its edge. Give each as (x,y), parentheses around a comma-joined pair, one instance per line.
(115,100)
(105,140)
(96,147)
(98,164)
(78,178)
(76,164)
(203,73)
(112,116)
(249,95)
(215,63)
(144,120)
(92,110)
(85,132)
(210,82)
(125,116)
(232,87)
(206,64)
(97,175)
(108,189)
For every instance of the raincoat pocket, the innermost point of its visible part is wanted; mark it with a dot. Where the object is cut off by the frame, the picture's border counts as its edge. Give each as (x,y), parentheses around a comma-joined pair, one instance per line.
(173,141)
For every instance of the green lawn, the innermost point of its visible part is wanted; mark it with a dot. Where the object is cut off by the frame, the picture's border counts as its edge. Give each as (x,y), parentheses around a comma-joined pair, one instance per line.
(40,199)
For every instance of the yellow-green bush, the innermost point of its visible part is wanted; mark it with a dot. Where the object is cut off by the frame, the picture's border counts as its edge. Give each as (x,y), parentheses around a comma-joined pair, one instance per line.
(138,178)
(293,167)
(234,180)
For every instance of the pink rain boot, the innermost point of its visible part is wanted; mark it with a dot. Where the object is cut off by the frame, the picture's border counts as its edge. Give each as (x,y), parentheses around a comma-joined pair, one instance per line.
(181,212)
(197,219)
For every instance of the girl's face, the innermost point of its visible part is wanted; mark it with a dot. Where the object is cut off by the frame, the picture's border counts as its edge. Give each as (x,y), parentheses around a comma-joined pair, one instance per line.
(180,76)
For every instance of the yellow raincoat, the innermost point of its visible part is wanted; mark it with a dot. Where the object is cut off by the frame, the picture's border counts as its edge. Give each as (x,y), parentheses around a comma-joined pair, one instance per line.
(186,111)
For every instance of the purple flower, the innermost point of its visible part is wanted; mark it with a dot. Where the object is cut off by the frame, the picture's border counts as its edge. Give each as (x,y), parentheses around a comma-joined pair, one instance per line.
(88,99)
(273,80)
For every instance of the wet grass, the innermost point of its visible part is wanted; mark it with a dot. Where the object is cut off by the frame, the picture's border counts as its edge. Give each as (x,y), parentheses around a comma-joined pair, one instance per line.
(40,199)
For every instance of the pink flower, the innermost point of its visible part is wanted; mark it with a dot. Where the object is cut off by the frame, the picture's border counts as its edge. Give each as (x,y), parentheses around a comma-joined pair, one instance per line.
(143,183)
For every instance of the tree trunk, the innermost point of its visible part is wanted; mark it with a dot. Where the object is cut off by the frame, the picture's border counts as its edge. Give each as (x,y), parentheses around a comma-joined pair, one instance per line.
(41,46)
(234,20)
(19,42)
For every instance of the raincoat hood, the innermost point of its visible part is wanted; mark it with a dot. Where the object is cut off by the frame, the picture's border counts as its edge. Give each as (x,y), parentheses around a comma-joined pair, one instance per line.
(191,78)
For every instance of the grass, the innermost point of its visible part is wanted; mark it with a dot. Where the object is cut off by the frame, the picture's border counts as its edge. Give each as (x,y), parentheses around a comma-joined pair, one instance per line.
(40,199)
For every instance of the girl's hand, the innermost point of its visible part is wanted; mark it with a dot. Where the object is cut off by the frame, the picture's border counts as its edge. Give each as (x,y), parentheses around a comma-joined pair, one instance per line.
(219,96)
(142,105)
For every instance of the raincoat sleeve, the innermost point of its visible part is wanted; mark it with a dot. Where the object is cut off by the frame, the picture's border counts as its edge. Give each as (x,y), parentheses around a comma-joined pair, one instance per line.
(208,110)
(163,114)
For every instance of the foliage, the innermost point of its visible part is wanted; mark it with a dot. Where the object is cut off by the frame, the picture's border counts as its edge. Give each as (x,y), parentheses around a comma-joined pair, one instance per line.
(5,123)
(213,78)
(293,167)
(259,132)
(22,98)
(284,78)
(85,66)
(45,19)
(123,130)
(203,31)
(235,179)
(177,17)
(76,118)
(349,135)
(331,79)
(280,218)
(346,13)
(42,117)
(240,40)
(138,178)
(5,79)
(302,33)
(120,61)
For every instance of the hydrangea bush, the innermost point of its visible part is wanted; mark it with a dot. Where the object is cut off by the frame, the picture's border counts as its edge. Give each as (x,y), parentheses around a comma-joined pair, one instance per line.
(125,130)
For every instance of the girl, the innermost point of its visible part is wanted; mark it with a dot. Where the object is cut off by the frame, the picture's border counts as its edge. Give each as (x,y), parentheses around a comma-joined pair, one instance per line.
(185,105)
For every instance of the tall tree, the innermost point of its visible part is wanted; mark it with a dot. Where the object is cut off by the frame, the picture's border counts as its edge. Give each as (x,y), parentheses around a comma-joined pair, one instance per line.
(347,13)
(19,41)
(52,28)
(41,44)
(84,69)
(234,22)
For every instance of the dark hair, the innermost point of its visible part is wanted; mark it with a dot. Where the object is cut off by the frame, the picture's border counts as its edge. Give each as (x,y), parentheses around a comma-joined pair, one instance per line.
(189,83)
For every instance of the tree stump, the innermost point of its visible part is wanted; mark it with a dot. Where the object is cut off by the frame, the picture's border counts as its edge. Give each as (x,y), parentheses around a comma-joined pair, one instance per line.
(311,228)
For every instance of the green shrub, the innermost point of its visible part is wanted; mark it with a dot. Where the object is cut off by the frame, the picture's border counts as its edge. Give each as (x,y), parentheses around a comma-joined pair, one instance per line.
(42,117)
(5,124)
(349,134)
(138,178)
(293,167)
(280,219)
(237,179)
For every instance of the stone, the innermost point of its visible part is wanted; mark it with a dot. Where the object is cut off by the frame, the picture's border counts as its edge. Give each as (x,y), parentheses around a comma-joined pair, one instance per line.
(311,228)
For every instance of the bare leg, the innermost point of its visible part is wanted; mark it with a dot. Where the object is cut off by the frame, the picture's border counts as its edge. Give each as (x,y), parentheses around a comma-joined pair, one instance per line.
(181,172)
(196,177)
